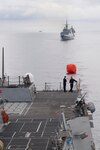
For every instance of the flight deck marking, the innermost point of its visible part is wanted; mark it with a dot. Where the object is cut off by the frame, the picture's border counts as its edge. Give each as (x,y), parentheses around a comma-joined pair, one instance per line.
(23,108)
(27,135)
(44,128)
(39,126)
(28,144)
(11,140)
(47,145)
(22,126)
(28,109)
(16,120)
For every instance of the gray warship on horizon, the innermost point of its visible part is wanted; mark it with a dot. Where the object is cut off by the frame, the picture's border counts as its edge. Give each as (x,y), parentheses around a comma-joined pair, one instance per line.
(67,33)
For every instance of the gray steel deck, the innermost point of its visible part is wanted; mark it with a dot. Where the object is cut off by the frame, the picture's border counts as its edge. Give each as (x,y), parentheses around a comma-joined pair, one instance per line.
(34,128)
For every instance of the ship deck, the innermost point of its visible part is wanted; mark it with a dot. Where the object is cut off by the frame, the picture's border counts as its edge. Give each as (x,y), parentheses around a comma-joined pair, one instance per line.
(34,128)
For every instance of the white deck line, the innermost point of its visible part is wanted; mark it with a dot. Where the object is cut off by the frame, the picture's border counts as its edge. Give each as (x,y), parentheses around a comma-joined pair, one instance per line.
(27,135)
(28,109)
(39,126)
(22,126)
(44,129)
(28,144)
(10,141)
(23,109)
(47,145)
(17,120)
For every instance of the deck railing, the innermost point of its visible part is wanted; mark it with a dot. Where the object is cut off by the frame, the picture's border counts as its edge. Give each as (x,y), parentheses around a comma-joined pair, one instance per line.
(18,81)
(53,86)
(11,81)
(58,86)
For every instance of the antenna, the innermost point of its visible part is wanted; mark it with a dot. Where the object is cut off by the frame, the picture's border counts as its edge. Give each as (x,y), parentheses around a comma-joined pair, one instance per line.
(2,62)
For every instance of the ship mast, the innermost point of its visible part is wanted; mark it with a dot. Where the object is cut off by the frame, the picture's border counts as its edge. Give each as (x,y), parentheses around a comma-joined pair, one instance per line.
(66,23)
(2,62)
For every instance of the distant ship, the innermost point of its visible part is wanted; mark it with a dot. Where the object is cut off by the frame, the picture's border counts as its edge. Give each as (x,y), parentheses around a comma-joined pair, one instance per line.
(67,33)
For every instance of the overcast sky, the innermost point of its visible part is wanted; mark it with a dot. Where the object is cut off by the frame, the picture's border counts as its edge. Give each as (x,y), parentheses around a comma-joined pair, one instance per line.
(48,15)
(49,9)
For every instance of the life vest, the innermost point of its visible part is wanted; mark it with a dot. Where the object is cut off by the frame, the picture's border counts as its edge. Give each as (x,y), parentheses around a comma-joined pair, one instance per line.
(5,117)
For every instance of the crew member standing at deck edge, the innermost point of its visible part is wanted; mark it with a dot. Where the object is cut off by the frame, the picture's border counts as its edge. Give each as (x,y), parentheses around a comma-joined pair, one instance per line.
(64,83)
(71,84)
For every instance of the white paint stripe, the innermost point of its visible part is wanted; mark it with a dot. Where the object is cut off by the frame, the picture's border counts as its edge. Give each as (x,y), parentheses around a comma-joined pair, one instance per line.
(9,146)
(44,129)
(27,135)
(39,126)
(22,109)
(28,144)
(47,145)
(17,120)
(13,134)
(22,127)
(28,109)
(50,119)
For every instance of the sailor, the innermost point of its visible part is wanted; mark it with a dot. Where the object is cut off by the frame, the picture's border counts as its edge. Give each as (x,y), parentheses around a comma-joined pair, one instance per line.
(64,83)
(71,84)
(28,80)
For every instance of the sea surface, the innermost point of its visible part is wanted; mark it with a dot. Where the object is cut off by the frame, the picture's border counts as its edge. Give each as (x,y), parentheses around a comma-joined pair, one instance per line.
(45,56)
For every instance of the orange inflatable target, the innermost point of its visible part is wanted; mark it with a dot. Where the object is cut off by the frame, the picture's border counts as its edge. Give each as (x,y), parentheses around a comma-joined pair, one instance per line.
(71,68)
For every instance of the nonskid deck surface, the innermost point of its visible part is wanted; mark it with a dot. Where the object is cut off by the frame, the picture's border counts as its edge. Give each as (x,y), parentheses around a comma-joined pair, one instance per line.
(48,104)
(32,134)
(35,127)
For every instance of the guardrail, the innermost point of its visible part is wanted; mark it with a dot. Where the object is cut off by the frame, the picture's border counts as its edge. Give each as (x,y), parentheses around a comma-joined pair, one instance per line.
(53,86)
(18,81)
(58,86)
(11,81)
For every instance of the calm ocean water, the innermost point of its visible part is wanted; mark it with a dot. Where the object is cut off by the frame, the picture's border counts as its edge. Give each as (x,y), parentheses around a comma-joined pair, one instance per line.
(45,56)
